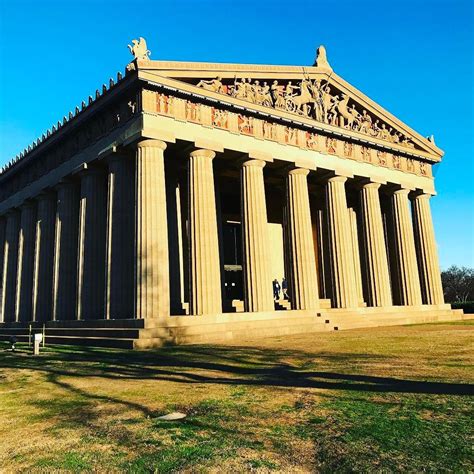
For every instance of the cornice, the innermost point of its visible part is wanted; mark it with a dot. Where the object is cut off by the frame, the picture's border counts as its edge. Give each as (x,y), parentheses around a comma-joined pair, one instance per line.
(74,119)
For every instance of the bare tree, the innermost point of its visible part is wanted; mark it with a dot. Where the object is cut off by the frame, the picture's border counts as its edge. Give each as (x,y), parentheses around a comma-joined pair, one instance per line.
(458,284)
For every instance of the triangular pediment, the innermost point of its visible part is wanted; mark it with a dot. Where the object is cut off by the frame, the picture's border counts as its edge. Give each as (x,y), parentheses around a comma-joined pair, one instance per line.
(309,92)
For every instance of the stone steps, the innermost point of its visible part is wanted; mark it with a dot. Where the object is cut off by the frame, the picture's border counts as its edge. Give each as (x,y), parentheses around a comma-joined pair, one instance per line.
(222,328)
(222,336)
(98,341)
(127,333)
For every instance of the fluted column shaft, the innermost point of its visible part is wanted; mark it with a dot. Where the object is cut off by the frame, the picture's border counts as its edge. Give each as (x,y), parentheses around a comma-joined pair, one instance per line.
(3,225)
(10,266)
(428,264)
(257,278)
(356,254)
(65,251)
(205,279)
(91,250)
(344,291)
(409,293)
(152,298)
(120,238)
(26,249)
(304,280)
(44,258)
(376,259)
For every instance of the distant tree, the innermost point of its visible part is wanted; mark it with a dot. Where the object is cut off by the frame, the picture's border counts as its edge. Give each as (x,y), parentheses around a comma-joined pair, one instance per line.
(458,284)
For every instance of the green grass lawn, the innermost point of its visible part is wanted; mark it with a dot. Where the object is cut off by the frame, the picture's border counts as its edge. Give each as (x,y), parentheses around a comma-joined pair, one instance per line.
(385,399)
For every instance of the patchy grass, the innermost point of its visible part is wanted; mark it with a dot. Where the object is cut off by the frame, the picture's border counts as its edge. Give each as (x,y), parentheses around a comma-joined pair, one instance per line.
(386,399)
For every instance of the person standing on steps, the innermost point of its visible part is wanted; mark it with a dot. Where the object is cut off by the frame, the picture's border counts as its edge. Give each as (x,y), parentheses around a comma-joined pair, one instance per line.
(284,287)
(276,290)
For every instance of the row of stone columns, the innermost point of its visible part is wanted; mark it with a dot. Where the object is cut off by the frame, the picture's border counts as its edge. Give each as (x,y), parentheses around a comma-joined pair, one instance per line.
(70,253)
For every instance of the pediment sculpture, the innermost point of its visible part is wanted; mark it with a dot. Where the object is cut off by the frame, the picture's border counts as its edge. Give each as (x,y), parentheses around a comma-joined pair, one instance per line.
(139,50)
(317,99)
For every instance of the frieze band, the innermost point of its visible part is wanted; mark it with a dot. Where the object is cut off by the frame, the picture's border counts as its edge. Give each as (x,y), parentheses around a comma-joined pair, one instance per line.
(182,109)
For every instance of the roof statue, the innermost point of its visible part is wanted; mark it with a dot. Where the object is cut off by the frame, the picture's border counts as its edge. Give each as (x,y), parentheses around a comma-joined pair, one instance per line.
(139,49)
(321,58)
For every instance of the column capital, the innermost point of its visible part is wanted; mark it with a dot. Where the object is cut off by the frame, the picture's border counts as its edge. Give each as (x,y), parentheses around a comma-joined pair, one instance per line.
(150,143)
(12,211)
(115,157)
(255,163)
(370,185)
(87,169)
(203,153)
(422,195)
(402,191)
(64,183)
(298,171)
(46,194)
(28,204)
(337,179)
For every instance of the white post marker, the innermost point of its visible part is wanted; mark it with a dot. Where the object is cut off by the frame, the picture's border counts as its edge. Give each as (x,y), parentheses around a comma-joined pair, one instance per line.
(37,338)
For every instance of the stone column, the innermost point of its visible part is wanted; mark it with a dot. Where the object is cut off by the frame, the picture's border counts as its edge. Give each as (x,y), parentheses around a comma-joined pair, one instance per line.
(257,278)
(409,293)
(356,254)
(65,251)
(302,262)
(26,254)
(375,250)
(152,299)
(120,237)
(44,258)
(91,250)
(428,265)
(344,291)
(205,295)
(3,225)
(10,266)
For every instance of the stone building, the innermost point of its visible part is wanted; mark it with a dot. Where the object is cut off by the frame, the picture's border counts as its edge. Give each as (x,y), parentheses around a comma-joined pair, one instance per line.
(163,208)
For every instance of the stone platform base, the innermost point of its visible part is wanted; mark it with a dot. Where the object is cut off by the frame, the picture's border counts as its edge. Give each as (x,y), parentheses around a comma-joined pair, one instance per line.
(222,328)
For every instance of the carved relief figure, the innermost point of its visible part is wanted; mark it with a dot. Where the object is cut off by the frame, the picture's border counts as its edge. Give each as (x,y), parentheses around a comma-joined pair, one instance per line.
(277,94)
(219,118)
(214,85)
(365,153)
(382,157)
(299,103)
(348,149)
(311,141)
(245,124)
(331,145)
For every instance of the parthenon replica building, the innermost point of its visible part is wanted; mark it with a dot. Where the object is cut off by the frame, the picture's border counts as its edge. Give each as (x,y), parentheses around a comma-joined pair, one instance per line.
(162,209)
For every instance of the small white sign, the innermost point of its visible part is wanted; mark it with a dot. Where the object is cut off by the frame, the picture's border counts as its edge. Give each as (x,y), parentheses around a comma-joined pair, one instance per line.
(38,337)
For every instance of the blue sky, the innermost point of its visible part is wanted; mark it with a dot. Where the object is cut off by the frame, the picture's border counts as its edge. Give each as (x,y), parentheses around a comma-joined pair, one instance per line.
(415,58)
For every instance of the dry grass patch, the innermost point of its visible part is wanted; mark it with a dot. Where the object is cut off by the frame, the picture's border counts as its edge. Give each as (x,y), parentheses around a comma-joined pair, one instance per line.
(386,399)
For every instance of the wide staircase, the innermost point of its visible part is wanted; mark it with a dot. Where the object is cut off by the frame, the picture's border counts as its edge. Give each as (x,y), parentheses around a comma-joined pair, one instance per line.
(142,334)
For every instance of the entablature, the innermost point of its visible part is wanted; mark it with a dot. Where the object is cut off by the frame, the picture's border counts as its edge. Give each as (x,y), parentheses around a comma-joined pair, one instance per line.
(186,103)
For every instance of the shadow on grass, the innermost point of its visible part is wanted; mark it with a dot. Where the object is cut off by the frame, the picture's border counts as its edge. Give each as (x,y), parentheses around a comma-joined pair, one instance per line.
(217,365)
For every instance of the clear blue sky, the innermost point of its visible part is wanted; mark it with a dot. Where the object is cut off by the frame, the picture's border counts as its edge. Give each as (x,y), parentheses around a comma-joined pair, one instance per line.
(415,58)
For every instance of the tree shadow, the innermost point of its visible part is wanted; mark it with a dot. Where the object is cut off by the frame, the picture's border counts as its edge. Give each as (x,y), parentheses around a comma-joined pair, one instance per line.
(214,365)
(225,365)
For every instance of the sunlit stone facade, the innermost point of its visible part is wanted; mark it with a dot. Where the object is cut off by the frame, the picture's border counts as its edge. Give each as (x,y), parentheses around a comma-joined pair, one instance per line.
(185,189)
